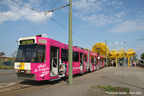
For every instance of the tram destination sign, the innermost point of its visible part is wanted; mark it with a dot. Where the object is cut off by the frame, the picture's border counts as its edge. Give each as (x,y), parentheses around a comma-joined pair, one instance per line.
(30,41)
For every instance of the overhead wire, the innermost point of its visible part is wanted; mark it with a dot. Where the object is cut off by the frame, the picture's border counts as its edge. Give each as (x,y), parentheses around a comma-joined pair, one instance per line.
(51,19)
(137,42)
(139,49)
(53,5)
(25,6)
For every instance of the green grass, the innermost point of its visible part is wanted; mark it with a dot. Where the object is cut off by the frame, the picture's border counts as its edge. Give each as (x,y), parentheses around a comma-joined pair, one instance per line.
(92,86)
(2,66)
(110,88)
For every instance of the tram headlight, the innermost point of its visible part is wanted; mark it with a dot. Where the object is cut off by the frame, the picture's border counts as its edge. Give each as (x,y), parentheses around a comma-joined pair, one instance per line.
(27,71)
(17,71)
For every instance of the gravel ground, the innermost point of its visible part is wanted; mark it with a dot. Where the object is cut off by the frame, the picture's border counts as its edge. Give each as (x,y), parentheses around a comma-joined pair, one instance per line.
(95,91)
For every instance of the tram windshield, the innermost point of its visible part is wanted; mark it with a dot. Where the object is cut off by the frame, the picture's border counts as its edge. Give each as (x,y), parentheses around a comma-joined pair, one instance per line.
(31,53)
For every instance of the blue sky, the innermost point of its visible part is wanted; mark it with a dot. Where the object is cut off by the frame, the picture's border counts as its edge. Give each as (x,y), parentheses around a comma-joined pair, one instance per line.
(93,20)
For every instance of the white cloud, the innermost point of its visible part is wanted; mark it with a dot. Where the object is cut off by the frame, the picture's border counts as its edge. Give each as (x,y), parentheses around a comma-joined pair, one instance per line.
(98,19)
(17,12)
(138,49)
(88,5)
(104,0)
(129,26)
(110,44)
(116,43)
(114,3)
(5,16)
(118,48)
(91,0)
(119,15)
(119,3)
(92,11)
(44,35)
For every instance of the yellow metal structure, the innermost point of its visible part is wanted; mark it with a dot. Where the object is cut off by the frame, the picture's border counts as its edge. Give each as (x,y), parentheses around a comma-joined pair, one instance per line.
(113,54)
(86,48)
(100,48)
(130,52)
(121,53)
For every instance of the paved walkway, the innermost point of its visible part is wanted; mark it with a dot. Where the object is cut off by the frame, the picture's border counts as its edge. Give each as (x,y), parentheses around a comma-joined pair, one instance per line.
(6,71)
(131,77)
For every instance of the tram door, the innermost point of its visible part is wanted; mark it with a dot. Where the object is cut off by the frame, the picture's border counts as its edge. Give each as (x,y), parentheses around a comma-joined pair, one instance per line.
(81,62)
(95,61)
(54,60)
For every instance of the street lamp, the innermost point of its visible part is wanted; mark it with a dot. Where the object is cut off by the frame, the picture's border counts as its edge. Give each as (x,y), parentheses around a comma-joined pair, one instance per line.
(17,44)
(124,53)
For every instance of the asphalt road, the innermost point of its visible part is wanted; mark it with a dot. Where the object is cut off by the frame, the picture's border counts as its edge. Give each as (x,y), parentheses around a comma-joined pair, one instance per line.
(8,76)
(5,71)
(130,77)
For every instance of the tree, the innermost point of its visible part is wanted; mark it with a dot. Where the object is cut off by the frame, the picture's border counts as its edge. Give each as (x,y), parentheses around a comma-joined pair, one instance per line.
(1,54)
(14,54)
(135,57)
(142,56)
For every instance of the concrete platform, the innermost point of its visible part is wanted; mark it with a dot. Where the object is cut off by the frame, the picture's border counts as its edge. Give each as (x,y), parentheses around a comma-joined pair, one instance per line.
(131,77)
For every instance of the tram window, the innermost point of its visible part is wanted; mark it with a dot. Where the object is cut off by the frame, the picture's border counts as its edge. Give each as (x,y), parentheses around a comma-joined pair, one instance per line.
(54,55)
(100,59)
(85,57)
(96,60)
(103,60)
(92,59)
(31,53)
(39,55)
(64,54)
(75,56)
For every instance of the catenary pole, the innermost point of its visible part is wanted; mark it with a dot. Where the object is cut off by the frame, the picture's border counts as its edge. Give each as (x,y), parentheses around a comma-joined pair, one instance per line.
(70,76)
(106,52)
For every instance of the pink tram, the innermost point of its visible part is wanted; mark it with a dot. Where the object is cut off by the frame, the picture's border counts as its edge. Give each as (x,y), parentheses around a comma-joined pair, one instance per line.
(39,58)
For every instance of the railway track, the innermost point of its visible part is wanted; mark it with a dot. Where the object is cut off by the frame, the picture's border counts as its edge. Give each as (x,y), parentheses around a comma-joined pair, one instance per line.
(140,65)
(25,86)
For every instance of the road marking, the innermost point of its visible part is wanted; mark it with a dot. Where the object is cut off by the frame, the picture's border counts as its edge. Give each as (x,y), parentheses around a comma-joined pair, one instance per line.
(6,84)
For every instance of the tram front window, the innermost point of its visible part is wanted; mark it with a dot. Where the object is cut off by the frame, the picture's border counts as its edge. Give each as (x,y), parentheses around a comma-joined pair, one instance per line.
(31,53)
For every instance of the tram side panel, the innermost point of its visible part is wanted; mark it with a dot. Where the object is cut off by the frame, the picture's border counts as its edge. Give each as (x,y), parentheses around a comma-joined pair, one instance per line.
(49,59)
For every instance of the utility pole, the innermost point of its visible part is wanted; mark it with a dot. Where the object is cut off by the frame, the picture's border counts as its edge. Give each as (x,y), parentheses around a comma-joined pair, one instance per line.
(70,58)
(124,58)
(124,53)
(106,52)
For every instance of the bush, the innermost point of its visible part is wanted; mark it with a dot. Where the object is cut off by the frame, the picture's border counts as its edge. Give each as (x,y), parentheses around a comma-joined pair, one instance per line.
(110,88)
(6,67)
